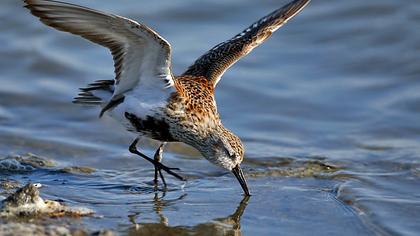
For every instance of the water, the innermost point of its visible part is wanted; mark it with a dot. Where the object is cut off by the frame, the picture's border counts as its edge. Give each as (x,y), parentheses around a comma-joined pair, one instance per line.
(328,110)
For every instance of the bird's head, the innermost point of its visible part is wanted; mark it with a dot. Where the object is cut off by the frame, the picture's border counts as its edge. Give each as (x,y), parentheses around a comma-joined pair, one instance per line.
(226,150)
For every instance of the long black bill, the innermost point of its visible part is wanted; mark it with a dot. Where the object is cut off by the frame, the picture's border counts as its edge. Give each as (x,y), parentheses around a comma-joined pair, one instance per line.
(237,171)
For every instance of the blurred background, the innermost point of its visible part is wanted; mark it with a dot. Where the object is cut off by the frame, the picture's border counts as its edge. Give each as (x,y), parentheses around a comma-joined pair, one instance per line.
(328,109)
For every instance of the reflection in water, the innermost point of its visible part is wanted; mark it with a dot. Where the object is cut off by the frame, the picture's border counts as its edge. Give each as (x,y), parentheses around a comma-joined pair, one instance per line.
(235,219)
(158,204)
(230,225)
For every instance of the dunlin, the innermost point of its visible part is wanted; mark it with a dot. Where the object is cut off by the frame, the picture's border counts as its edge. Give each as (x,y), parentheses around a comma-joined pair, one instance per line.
(146,97)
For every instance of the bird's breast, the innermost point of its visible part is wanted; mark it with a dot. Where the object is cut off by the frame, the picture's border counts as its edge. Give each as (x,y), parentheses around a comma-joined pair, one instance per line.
(155,127)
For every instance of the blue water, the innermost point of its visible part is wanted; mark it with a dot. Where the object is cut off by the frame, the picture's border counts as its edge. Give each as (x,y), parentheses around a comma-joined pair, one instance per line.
(338,87)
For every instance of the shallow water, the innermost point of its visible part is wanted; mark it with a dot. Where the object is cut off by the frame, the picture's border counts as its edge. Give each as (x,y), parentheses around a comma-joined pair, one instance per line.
(328,110)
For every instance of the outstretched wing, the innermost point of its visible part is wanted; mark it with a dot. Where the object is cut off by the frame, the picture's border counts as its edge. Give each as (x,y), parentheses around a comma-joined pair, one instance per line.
(140,54)
(217,60)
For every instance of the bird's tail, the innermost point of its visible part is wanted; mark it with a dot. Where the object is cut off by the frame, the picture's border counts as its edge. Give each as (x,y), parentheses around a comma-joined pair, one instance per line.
(96,93)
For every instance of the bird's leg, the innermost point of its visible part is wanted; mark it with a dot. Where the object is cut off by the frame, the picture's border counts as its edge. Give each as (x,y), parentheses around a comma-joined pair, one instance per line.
(160,166)
(158,157)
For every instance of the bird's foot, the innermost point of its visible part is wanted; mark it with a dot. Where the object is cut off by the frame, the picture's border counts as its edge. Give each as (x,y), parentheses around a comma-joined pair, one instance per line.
(159,166)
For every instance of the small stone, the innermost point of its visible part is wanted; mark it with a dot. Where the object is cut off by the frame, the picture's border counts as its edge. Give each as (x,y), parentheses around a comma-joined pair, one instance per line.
(7,184)
(27,202)
(78,170)
(12,229)
(35,161)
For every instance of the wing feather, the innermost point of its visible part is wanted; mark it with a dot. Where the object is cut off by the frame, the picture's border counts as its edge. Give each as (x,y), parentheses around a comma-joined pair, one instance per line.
(217,60)
(140,54)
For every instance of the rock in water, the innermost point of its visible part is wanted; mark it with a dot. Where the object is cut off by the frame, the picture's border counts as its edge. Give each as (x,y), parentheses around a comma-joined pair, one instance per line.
(26,201)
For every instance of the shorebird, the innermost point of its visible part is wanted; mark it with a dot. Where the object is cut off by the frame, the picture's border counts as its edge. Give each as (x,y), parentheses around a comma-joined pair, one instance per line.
(146,97)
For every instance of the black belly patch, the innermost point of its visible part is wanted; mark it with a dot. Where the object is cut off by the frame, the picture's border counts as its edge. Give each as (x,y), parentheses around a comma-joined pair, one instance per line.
(156,128)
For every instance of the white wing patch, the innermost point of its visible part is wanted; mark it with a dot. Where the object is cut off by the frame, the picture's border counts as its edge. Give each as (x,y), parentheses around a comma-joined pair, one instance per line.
(141,56)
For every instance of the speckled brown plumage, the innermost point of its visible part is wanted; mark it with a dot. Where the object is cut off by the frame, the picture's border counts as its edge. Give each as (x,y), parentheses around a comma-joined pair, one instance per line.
(194,119)
(145,96)
(217,60)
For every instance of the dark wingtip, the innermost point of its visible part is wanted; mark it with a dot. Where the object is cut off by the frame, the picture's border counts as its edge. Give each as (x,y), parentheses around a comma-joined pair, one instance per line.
(293,7)
(26,5)
(114,102)
(102,112)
